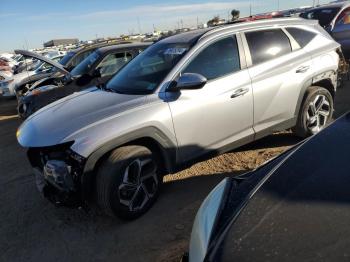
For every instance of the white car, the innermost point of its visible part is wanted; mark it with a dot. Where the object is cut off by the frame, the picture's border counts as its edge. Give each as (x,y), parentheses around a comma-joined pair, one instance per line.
(8,81)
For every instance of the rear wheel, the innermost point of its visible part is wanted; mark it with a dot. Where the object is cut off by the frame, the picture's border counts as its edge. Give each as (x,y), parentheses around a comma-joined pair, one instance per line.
(316,112)
(128,182)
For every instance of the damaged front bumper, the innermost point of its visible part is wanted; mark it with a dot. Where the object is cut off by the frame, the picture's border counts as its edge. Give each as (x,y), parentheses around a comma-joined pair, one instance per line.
(58,174)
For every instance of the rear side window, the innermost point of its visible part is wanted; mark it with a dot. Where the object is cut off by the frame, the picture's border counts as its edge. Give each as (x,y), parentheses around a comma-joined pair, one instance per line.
(303,37)
(218,59)
(267,44)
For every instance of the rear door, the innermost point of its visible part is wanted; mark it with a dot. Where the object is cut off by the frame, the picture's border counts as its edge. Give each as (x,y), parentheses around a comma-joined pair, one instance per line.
(278,68)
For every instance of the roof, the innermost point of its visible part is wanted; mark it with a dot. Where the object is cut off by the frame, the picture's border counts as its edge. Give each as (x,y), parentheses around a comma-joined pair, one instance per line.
(186,37)
(194,35)
(260,23)
(123,46)
(301,212)
(96,45)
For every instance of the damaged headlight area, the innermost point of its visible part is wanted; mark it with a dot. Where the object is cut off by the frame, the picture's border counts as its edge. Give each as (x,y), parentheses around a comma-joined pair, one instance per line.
(58,170)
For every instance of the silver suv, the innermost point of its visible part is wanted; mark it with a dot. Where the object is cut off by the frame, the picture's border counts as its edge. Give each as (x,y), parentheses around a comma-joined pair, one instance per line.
(186,97)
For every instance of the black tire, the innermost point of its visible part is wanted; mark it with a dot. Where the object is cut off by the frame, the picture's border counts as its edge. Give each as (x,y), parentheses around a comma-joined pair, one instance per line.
(114,186)
(303,128)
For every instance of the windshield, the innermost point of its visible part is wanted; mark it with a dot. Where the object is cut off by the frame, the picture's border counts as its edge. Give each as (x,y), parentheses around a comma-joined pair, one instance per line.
(145,72)
(66,58)
(324,15)
(86,64)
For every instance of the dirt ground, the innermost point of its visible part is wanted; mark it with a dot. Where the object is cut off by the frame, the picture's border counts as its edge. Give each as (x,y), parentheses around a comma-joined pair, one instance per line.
(31,229)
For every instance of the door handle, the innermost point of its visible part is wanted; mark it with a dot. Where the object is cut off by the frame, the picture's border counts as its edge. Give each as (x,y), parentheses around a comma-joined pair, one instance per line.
(240,92)
(302,69)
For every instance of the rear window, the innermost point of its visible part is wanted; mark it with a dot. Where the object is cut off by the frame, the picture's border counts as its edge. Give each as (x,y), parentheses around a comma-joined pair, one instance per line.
(303,37)
(266,45)
(323,15)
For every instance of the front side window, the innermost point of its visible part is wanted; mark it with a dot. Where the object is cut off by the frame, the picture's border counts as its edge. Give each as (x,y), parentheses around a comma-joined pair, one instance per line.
(303,37)
(80,57)
(147,70)
(216,60)
(64,61)
(85,66)
(113,62)
(266,45)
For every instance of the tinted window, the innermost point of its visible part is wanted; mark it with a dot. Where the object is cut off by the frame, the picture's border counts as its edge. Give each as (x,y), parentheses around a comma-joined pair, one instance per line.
(303,37)
(216,60)
(323,15)
(268,44)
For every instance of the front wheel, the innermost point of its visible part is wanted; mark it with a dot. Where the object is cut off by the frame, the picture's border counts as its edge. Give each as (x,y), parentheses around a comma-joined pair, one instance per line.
(316,112)
(128,182)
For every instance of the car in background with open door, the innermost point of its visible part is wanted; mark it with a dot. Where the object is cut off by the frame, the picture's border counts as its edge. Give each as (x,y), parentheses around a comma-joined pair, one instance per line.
(69,61)
(95,70)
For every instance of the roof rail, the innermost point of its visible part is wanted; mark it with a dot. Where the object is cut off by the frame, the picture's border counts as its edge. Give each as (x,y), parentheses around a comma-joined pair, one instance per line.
(259,23)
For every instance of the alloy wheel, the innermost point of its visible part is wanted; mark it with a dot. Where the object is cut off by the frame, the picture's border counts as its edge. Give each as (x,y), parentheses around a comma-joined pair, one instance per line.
(318,113)
(139,185)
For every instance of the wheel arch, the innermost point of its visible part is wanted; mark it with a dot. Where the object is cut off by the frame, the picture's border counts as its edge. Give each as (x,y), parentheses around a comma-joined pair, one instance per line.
(149,137)
(327,80)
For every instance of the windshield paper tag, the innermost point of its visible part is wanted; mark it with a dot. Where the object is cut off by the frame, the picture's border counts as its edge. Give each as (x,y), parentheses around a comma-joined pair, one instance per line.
(175,51)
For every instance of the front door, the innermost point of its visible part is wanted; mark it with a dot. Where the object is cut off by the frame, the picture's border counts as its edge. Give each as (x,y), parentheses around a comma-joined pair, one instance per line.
(219,114)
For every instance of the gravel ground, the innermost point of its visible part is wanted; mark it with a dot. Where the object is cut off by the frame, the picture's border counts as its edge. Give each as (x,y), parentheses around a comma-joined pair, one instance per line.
(31,229)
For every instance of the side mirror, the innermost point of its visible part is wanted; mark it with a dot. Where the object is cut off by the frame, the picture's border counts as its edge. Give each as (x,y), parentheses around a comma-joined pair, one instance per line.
(188,81)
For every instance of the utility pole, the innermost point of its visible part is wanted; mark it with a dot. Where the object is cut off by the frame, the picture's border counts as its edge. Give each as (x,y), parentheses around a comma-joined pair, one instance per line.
(197,23)
(278,5)
(138,25)
(250,9)
(182,24)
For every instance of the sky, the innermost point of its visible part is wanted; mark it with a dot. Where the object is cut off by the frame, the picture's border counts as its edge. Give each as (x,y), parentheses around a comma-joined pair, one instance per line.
(27,24)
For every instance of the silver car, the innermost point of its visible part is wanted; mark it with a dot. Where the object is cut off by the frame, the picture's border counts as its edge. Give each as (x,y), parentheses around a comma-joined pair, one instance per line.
(185,98)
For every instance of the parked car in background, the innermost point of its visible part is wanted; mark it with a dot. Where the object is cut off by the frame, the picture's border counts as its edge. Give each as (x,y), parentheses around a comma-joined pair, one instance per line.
(184,98)
(47,71)
(293,208)
(335,18)
(95,70)
(69,61)
(9,83)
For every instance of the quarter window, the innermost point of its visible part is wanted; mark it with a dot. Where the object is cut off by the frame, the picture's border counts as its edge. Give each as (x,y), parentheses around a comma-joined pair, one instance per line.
(267,44)
(216,60)
(303,37)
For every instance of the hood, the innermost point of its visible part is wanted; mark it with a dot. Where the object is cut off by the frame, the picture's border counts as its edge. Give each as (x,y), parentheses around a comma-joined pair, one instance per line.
(44,59)
(64,118)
